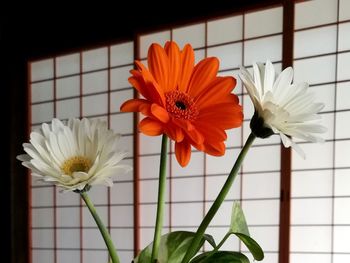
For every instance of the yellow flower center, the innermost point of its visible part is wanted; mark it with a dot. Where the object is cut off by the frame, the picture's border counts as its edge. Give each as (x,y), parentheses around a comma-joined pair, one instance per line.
(180,105)
(76,164)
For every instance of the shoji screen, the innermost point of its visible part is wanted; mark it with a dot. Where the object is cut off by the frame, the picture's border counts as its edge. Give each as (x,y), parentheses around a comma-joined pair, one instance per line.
(236,40)
(320,230)
(92,84)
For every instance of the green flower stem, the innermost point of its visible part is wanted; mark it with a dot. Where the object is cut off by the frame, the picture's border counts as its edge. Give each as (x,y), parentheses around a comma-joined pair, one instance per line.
(218,201)
(103,229)
(161,201)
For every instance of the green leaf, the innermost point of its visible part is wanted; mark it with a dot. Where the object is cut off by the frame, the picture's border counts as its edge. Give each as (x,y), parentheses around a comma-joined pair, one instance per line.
(221,257)
(172,248)
(239,228)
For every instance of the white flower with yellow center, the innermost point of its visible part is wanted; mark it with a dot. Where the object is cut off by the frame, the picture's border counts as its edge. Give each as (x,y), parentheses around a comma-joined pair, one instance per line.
(79,155)
(282,107)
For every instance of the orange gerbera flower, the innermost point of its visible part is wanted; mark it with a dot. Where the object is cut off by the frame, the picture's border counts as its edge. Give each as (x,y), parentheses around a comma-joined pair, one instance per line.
(188,103)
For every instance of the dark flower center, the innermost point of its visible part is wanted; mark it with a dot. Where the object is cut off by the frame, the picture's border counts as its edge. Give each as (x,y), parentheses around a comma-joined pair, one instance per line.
(180,105)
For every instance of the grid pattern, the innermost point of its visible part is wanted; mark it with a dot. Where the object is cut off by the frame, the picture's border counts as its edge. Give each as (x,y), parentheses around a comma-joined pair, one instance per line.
(91,83)
(320,194)
(236,40)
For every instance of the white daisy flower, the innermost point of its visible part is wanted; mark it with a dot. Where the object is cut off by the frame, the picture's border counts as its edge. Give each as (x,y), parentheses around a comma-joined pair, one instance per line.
(282,107)
(76,156)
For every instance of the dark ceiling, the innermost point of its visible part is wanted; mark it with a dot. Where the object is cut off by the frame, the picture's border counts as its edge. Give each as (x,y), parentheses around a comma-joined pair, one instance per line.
(44,29)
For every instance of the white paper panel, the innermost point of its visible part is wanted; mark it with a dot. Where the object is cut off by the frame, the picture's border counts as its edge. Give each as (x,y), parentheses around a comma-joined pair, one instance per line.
(324,94)
(68,87)
(42,112)
(341,239)
(342,151)
(187,189)
(125,256)
(147,40)
(313,13)
(122,123)
(317,156)
(343,66)
(230,56)
(264,22)
(343,93)
(122,193)
(341,214)
(307,42)
(122,54)
(43,256)
(225,30)
(88,220)
(262,49)
(68,217)
(311,238)
(191,219)
(342,182)
(67,198)
(266,236)
(68,238)
(233,138)
(93,239)
(67,65)
(119,78)
(194,35)
(42,69)
(123,239)
(150,166)
(126,144)
(42,238)
(315,70)
(344,39)
(303,183)
(265,158)
(269,185)
(150,144)
(319,258)
(311,211)
(248,108)
(120,216)
(341,258)
(342,125)
(199,55)
(64,256)
(149,191)
(93,256)
(215,183)
(149,211)
(38,193)
(118,98)
(268,211)
(42,217)
(42,91)
(95,59)
(95,82)
(95,105)
(344,7)
(98,194)
(223,164)
(195,167)
(68,108)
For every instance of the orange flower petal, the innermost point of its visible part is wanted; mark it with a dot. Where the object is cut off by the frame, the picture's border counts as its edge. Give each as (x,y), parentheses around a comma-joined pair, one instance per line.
(137,105)
(211,131)
(225,116)
(150,127)
(183,152)
(174,132)
(217,90)
(203,74)
(215,148)
(174,56)
(154,91)
(160,113)
(158,64)
(187,65)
